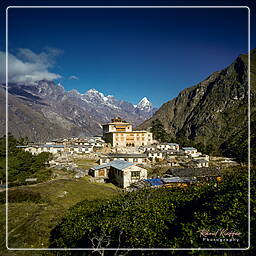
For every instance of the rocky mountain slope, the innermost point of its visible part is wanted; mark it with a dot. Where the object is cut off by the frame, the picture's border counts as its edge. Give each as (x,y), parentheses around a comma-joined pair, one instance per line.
(46,111)
(215,110)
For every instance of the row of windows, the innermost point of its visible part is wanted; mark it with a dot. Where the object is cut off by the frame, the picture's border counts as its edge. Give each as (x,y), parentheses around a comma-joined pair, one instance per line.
(130,139)
(131,134)
(131,144)
(134,174)
(120,129)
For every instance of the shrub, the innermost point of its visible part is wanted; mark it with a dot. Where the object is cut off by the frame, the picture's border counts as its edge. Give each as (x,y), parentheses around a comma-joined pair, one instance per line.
(153,218)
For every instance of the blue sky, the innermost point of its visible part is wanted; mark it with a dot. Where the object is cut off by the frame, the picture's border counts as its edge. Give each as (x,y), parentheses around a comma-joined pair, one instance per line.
(129,53)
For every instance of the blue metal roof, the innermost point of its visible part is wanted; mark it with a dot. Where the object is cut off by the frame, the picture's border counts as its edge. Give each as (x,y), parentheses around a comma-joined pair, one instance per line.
(188,148)
(120,164)
(175,179)
(154,182)
(51,146)
(117,164)
(98,167)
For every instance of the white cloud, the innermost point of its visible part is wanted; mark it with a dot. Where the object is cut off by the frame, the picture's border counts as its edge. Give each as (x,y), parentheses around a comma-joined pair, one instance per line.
(73,78)
(28,67)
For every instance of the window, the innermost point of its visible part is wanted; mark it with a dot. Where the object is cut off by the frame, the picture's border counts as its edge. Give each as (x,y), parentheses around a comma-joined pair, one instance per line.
(135,174)
(120,129)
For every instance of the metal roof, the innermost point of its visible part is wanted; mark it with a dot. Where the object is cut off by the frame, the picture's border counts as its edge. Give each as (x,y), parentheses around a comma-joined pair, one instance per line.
(188,148)
(98,167)
(173,144)
(48,146)
(174,179)
(154,182)
(120,164)
(170,144)
(117,164)
(127,155)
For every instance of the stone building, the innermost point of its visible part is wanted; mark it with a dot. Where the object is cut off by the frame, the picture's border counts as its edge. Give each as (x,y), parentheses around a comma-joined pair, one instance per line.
(120,134)
(119,172)
(132,158)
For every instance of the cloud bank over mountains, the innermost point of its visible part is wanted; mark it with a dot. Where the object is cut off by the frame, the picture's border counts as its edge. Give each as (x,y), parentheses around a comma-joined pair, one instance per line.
(29,67)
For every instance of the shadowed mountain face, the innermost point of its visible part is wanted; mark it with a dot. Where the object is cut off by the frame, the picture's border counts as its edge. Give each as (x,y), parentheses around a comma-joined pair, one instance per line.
(215,110)
(47,111)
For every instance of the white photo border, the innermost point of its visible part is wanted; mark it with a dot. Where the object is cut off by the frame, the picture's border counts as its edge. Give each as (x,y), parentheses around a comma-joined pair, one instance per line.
(129,249)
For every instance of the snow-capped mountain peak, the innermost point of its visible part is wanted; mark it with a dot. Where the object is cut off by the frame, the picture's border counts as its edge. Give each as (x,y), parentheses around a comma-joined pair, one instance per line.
(98,98)
(93,93)
(144,104)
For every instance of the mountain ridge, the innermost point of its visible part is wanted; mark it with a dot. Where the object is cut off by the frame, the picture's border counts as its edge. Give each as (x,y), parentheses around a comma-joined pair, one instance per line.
(213,110)
(62,113)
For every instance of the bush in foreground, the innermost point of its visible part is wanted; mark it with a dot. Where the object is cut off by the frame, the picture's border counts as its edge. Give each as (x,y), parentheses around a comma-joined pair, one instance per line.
(155,218)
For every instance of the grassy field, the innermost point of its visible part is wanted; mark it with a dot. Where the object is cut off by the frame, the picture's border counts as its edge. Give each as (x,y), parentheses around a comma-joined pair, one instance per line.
(85,163)
(30,223)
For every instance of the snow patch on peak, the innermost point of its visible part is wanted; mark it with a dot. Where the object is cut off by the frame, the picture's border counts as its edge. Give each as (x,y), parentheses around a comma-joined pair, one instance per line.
(92,91)
(144,101)
(144,104)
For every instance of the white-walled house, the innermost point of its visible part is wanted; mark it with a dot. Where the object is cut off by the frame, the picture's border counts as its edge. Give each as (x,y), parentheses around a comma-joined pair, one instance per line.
(54,149)
(132,158)
(147,148)
(51,148)
(199,163)
(191,151)
(204,157)
(168,146)
(153,155)
(120,172)
(80,149)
